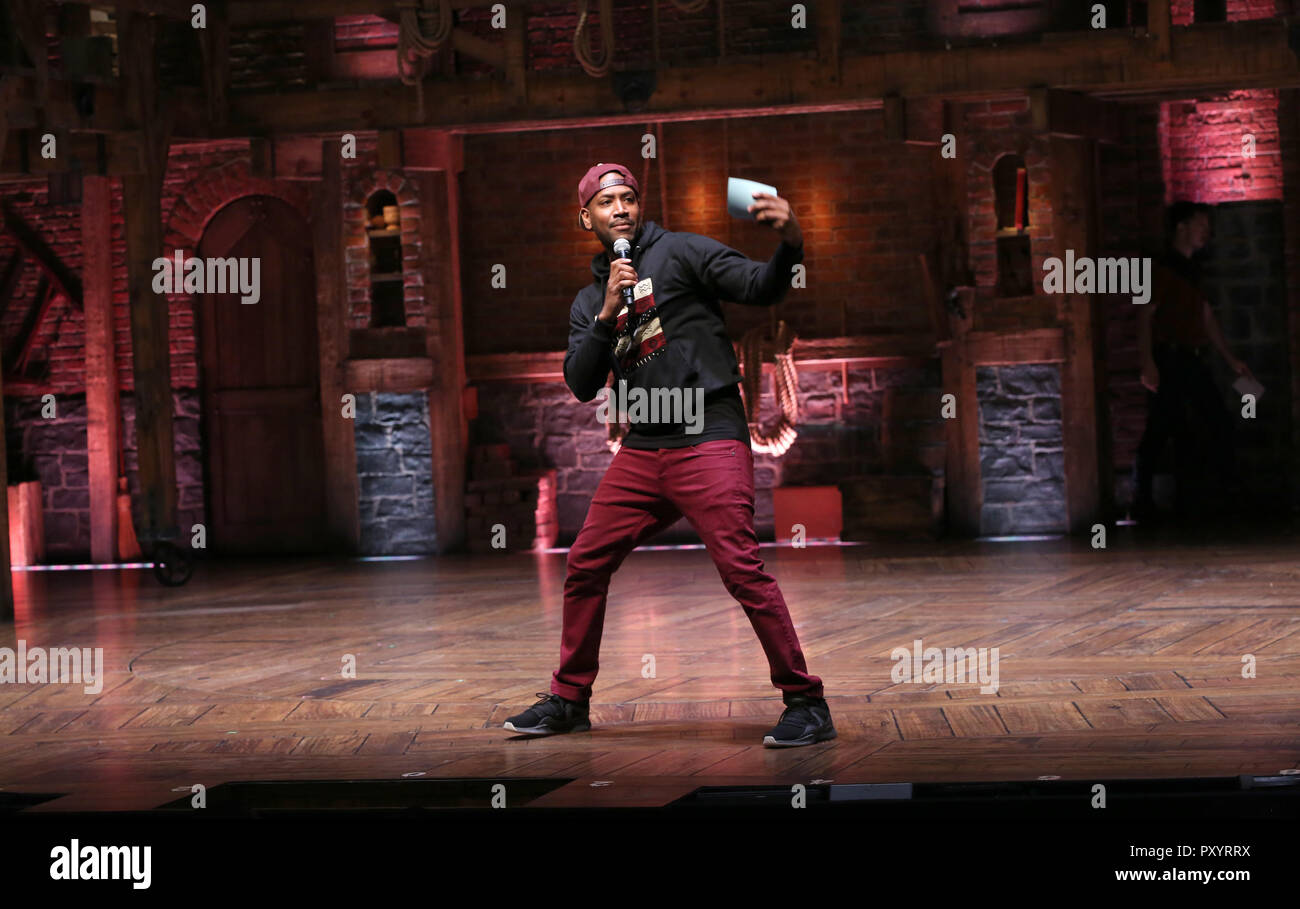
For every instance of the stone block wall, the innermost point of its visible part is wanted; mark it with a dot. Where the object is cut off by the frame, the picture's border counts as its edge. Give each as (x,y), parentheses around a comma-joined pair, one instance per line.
(1022,455)
(53,451)
(395,473)
(546,427)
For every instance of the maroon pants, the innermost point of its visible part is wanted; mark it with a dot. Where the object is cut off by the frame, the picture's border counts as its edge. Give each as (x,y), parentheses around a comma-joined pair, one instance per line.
(644,492)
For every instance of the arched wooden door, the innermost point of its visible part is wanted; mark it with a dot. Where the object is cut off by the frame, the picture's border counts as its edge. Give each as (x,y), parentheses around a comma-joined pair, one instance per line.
(260,387)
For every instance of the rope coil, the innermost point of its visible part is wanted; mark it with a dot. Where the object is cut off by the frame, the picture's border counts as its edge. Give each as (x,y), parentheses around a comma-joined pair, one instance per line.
(785,385)
(422,31)
(595,64)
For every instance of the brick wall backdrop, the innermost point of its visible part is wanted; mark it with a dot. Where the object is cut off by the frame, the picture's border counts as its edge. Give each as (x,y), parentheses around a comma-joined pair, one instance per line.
(1201,147)
(363,182)
(991,130)
(860,232)
(546,427)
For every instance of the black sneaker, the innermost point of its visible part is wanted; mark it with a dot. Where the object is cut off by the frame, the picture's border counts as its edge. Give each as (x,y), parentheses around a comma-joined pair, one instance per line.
(806,720)
(551,715)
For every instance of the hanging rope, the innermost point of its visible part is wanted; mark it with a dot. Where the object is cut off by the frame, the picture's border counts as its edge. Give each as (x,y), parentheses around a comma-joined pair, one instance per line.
(785,384)
(596,66)
(421,33)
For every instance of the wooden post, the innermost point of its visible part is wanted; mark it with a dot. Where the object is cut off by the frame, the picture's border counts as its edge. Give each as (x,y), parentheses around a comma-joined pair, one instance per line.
(516,50)
(214,44)
(1159,27)
(102,404)
(963,489)
(828,38)
(318,50)
(389,149)
(151,356)
(6,573)
(341,504)
(1074,224)
(895,114)
(448,425)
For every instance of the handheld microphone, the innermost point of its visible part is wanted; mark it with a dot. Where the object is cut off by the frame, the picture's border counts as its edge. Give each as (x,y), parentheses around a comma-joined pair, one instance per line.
(623,250)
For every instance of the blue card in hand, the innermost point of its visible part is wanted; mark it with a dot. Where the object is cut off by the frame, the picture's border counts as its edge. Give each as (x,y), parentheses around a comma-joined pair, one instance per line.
(740,195)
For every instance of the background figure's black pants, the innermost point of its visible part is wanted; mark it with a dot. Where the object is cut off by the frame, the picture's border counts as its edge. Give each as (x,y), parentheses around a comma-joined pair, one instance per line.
(1189,407)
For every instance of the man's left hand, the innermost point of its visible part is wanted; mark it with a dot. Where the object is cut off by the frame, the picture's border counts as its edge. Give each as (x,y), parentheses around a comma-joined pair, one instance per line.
(773,210)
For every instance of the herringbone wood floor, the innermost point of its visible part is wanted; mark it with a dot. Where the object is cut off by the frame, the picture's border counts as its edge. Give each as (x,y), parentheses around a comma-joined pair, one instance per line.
(1125,662)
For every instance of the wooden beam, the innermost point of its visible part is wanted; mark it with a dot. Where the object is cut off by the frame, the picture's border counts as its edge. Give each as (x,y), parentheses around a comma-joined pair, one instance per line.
(261,12)
(516,55)
(828,15)
(28,19)
(448,420)
(112,154)
(1039,345)
(1063,113)
(32,325)
(875,350)
(214,43)
(432,149)
(168,9)
(1252,54)
(1074,227)
(1159,28)
(6,570)
(342,510)
(318,50)
(9,280)
(389,149)
(963,489)
(463,42)
(150,350)
(103,407)
(388,374)
(1204,58)
(40,252)
(895,118)
(62,107)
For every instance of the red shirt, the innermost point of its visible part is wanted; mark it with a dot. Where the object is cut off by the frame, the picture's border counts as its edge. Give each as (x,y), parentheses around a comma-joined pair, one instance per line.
(1180,306)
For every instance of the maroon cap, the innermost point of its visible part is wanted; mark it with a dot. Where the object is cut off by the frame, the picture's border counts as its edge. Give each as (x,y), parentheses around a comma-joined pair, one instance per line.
(592,182)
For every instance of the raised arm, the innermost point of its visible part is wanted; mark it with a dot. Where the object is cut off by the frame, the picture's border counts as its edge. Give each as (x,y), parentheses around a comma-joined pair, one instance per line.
(728,274)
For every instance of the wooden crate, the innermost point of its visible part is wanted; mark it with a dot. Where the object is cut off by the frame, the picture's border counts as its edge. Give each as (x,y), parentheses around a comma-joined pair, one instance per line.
(817,508)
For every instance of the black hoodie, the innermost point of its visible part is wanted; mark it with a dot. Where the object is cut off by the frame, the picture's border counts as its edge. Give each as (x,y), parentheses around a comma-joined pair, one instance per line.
(677,337)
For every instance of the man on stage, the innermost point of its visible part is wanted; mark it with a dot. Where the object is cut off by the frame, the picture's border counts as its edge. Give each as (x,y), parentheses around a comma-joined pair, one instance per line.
(672,337)
(1175,333)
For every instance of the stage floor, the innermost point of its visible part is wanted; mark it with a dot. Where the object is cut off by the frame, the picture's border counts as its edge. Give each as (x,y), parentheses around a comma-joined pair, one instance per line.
(1117,663)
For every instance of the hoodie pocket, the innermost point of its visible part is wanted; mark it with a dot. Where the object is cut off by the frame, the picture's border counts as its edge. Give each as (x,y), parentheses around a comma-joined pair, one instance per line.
(685,368)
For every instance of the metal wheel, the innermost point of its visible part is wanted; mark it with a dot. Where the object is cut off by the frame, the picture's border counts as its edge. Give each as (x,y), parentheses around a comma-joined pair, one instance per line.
(172,565)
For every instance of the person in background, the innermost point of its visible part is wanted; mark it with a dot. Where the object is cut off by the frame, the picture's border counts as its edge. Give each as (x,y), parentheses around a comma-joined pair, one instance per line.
(1176,330)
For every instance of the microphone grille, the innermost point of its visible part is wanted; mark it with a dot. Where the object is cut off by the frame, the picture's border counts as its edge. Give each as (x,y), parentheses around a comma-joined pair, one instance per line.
(622,247)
